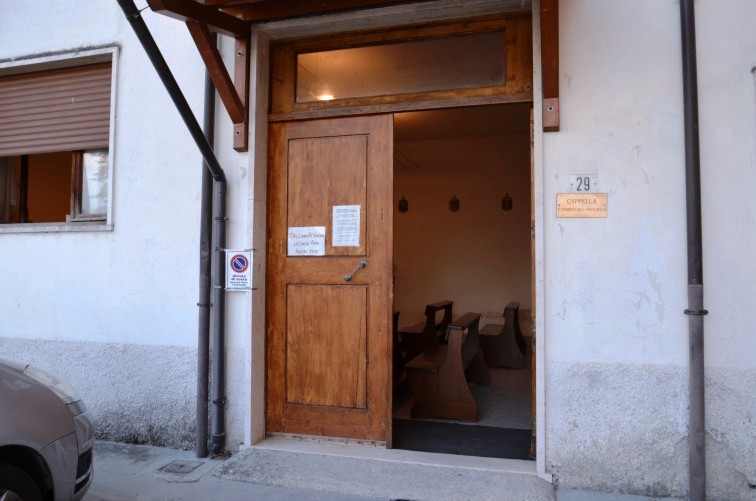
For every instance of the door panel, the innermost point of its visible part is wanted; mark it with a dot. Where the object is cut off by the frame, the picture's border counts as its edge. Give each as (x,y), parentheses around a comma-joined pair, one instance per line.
(326,355)
(329,339)
(315,185)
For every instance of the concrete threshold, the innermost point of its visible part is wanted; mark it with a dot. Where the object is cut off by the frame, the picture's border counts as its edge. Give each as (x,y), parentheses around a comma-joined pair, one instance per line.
(354,469)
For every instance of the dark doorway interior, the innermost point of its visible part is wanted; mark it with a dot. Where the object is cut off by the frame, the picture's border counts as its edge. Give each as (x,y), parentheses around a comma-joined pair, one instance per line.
(462,188)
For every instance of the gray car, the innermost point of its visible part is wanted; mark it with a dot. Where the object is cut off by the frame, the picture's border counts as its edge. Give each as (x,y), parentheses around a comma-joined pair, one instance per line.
(46,436)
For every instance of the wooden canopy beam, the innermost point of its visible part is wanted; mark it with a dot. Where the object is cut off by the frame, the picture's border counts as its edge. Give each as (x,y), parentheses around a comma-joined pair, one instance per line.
(550,63)
(271,10)
(217,21)
(201,20)
(217,70)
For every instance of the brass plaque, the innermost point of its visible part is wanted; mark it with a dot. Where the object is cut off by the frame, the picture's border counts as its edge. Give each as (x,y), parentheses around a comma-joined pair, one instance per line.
(582,204)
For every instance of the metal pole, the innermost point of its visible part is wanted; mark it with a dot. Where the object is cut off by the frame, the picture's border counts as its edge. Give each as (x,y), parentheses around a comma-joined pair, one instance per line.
(695,311)
(203,327)
(219,315)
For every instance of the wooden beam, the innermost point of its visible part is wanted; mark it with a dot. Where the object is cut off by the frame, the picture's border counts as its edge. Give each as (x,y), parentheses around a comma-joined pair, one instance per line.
(550,63)
(241,82)
(228,3)
(189,10)
(271,10)
(217,70)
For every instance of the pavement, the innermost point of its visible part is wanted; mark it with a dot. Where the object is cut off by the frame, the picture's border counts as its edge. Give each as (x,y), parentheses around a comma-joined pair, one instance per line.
(142,472)
(292,470)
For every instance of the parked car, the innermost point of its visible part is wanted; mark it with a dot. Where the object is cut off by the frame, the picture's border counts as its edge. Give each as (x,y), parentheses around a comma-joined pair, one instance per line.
(46,436)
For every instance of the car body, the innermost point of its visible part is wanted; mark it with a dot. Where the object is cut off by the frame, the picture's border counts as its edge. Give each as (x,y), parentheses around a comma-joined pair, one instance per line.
(46,436)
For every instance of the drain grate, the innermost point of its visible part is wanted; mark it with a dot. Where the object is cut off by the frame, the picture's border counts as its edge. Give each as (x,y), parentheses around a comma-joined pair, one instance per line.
(181,466)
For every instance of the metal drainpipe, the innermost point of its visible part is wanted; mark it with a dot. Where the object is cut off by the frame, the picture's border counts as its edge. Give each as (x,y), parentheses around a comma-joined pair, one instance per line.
(219,210)
(695,311)
(203,324)
(219,322)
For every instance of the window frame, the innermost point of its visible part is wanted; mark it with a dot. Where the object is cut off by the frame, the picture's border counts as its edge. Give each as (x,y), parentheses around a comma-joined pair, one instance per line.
(517,28)
(76,221)
(76,214)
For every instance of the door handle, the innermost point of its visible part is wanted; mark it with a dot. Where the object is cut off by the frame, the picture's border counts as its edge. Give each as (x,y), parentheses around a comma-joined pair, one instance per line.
(349,276)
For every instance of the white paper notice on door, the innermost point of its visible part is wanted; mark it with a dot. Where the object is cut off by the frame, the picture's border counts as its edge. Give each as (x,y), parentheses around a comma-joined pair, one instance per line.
(307,240)
(346,226)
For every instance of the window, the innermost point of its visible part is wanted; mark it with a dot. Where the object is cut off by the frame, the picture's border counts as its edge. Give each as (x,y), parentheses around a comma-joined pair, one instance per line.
(55,142)
(455,62)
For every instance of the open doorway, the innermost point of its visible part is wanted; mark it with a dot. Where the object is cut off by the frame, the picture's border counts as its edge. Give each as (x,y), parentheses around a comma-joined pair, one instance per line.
(462,235)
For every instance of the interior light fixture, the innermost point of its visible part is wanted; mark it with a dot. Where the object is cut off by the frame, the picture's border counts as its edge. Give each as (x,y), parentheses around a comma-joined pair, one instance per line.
(325,97)
(403,205)
(454,203)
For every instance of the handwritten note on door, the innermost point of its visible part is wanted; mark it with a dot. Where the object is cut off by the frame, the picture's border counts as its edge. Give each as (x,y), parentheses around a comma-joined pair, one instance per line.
(307,241)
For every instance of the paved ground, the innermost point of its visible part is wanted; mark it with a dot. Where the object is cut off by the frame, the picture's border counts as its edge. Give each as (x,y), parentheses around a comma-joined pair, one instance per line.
(137,472)
(133,472)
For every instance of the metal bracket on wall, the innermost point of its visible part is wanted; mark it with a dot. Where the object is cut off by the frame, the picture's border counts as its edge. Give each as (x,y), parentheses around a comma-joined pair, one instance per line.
(551,114)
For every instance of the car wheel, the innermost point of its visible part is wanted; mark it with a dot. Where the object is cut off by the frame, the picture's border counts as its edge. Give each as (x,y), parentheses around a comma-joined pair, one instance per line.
(17,485)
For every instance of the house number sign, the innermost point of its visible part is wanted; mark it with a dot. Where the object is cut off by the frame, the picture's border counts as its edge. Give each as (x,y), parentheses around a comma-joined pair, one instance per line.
(584,183)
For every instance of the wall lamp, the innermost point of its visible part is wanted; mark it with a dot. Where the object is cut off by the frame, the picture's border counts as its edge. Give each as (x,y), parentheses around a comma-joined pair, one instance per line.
(403,205)
(454,203)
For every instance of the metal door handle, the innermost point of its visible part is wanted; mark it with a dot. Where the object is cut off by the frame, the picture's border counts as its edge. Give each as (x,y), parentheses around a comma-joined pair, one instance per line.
(349,276)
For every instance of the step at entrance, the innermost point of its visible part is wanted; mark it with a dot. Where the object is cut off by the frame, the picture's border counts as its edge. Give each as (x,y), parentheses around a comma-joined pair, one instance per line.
(388,474)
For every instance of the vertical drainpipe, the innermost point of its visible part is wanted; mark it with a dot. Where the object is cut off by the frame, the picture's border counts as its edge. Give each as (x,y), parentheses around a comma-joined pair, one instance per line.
(203,324)
(219,320)
(695,311)
(219,213)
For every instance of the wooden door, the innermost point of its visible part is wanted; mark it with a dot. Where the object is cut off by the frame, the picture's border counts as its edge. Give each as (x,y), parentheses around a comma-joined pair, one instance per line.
(328,337)
(533,283)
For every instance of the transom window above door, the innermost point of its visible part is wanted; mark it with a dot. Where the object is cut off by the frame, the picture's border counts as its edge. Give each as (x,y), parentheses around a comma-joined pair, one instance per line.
(461,63)
(458,62)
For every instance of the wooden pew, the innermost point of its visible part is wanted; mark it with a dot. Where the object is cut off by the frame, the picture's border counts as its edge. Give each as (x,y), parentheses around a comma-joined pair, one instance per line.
(503,345)
(439,376)
(398,357)
(417,338)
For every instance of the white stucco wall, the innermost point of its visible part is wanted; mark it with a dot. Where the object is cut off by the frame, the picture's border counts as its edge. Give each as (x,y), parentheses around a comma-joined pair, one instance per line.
(114,312)
(616,337)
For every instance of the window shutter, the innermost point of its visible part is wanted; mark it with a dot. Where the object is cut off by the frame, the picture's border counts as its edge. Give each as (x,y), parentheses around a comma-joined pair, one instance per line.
(55,110)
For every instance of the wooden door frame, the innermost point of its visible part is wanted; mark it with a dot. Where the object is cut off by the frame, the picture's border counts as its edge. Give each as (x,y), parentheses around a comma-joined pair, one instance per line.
(262,35)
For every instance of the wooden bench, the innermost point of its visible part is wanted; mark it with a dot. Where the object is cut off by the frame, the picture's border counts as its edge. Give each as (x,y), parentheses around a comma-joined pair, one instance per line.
(417,338)
(503,345)
(439,376)
(398,357)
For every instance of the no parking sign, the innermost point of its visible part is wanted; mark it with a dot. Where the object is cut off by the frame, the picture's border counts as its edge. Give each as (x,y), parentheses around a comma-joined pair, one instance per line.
(238,270)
